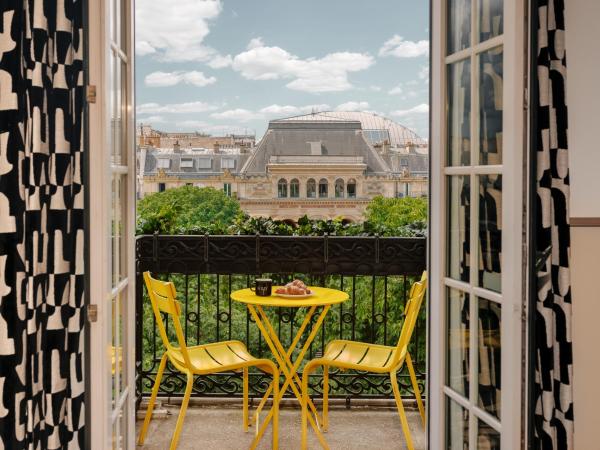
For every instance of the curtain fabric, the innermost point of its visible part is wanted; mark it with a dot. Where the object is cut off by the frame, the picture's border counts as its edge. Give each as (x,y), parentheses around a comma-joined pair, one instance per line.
(41,225)
(553,392)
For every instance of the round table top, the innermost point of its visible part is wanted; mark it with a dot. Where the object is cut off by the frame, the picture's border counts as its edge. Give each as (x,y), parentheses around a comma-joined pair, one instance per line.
(321,297)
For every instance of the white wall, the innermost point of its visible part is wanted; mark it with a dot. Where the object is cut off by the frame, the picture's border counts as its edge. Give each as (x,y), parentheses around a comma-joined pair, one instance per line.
(583,100)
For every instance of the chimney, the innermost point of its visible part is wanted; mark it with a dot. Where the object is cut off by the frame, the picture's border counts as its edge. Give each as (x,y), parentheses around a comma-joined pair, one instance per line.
(385,148)
(176,147)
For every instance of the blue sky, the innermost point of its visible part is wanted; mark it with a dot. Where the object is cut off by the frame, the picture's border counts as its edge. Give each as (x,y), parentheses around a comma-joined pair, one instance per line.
(223,66)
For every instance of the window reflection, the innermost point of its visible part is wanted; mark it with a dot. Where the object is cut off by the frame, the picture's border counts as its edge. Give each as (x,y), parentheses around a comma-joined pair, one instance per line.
(489,356)
(457,426)
(458,232)
(490,232)
(457,359)
(459,113)
(490,106)
(459,25)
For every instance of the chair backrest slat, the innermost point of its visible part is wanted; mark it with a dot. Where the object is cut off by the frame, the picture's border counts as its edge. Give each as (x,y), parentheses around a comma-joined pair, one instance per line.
(163,298)
(411,315)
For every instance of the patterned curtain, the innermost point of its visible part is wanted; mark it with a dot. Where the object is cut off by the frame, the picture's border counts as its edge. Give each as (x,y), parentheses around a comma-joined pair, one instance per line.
(41,225)
(554,362)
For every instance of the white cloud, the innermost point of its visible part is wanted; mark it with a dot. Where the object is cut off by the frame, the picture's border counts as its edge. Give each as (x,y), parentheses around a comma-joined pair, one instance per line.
(398,47)
(327,74)
(397,90)
(160,79)
(353,106)
(176,33)
(290,110)
(189,107)
(195,124)
(143,48)
(238,114)
(375,88)
(424,73)
(423,108)
(151,119)
(220,62)
(255,43)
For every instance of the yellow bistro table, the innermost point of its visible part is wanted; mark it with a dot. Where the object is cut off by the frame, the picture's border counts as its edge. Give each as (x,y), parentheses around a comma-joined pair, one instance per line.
(322,297)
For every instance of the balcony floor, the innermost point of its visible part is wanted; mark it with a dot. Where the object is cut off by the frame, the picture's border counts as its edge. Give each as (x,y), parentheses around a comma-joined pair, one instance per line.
(220,428)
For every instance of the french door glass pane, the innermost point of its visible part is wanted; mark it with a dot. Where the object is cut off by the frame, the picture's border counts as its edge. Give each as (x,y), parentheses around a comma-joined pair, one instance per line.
(459,113)
(457,358)
(120,361)
(457,426)
(118,238)
(490,106)
(487,437)
(459,25)
(115,348)
(491,19)
(490,231)
(489,352)
(117,110)
(458,232)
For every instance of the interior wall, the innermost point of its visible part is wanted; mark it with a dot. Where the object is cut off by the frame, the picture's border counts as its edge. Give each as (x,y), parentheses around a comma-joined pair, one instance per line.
(583,100)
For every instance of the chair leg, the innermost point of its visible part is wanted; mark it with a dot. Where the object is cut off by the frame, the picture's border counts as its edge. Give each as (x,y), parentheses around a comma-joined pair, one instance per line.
(325,423)
(245,405)
(182,411)
(413,379)
(275,408)
(401,413)
(305,377)
(161,369)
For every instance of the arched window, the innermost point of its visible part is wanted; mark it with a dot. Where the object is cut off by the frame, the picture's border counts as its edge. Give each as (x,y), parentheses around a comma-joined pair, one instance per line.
(311,188)
(339,188)
(295,188)
(351,188)
(323,188)
(282,188)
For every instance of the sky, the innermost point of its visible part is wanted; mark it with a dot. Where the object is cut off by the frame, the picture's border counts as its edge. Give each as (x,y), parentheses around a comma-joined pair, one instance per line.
(230,66)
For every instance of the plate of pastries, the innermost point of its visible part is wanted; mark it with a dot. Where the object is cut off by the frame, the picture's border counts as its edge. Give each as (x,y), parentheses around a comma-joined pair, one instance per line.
(294,289)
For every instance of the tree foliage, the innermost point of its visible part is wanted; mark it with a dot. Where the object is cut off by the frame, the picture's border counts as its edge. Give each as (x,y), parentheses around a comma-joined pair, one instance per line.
(396,213)
(186,210)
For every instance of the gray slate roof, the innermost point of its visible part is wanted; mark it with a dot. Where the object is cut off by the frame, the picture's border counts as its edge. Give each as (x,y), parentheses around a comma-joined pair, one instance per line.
(293,138)
(202,165)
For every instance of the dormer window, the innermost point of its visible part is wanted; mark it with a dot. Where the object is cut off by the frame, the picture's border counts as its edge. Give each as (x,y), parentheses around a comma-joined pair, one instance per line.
(204,163)
(164,163)
(227,163)
(186,163)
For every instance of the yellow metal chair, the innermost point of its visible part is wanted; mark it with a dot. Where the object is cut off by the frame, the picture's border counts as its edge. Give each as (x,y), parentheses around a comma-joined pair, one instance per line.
(370,358)
(201,360)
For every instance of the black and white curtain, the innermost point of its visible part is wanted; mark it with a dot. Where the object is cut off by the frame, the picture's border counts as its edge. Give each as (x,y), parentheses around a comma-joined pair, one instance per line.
(41,225)
(553,392)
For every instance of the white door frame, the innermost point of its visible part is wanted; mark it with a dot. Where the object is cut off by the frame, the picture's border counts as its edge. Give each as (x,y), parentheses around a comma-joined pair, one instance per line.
(514,265)
(99,223)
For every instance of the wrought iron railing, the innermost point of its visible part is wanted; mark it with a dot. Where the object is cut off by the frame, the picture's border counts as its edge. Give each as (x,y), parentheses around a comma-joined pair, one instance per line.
(376,272)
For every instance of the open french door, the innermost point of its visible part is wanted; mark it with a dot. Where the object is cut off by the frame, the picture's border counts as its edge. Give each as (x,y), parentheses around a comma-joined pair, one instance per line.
(111,225)
(478,200)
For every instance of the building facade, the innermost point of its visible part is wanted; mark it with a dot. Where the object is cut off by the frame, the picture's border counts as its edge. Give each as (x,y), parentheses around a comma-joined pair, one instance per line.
(323,165)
